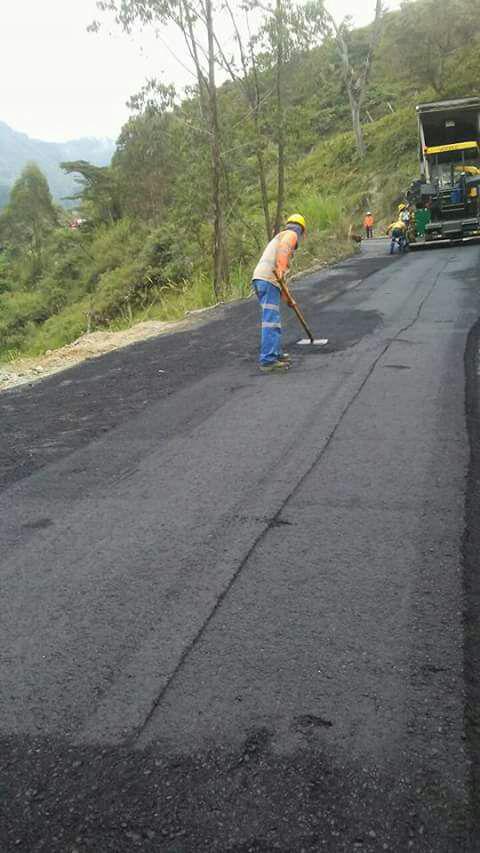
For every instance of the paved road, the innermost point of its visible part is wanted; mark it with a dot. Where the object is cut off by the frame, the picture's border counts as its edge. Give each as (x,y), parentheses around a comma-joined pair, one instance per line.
(232,609)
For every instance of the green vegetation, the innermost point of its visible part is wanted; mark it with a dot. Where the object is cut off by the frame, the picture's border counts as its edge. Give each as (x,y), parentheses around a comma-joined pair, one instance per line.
(144,250)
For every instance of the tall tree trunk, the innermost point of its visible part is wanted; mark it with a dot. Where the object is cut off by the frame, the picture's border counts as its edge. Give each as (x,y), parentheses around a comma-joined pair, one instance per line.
(250,87)
(280,115)
(256,99)
(356,81)
(220,263)
(263,187)
(437,77)
(357,126)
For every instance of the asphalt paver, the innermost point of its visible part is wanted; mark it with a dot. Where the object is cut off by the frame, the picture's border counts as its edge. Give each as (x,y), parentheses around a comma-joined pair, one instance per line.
(238,610)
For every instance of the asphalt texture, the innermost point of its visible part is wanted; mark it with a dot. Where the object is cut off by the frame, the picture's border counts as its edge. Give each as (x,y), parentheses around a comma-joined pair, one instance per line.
(241,612)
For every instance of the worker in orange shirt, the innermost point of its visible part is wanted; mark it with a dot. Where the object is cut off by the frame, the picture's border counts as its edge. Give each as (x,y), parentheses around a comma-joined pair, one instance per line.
(368,224)
(269,272)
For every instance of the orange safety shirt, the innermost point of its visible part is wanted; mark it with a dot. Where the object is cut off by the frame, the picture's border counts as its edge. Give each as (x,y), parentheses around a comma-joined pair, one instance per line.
(368,221)
(276,258)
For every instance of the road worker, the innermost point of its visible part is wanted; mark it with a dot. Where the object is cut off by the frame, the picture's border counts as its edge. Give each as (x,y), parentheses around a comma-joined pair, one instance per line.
(270,270)
(368,224)
(411,227)
(404,214)
(398,231)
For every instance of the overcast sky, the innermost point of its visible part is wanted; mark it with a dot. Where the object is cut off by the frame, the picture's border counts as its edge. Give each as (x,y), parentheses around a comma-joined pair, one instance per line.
(58,82)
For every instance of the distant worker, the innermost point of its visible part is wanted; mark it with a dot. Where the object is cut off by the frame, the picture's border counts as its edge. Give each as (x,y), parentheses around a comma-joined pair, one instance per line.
(269,272)
(398,231)
(405,217)
(368,223)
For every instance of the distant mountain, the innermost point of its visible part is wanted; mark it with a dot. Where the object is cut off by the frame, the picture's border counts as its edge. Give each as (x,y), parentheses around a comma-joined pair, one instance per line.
(17,149)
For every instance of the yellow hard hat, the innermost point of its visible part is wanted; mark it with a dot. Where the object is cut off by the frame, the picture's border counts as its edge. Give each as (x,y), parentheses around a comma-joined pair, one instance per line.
(297,219)
(402,206)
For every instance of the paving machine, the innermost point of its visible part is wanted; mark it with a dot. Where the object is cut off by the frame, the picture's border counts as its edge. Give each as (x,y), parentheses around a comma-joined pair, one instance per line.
(446,197)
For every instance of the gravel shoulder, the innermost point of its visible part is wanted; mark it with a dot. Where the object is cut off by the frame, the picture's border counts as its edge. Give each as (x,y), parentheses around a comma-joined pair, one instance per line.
(25,371)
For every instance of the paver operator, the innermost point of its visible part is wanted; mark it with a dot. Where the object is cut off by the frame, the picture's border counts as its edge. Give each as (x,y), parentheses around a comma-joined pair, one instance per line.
(269,272)
(404,214)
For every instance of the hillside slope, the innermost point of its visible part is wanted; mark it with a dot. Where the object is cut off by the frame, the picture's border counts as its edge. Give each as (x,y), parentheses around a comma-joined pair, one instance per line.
(379,181)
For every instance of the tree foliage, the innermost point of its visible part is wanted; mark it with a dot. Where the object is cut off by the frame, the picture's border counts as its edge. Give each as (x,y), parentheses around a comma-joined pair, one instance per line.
(98,190)
(29,217)
(423,37)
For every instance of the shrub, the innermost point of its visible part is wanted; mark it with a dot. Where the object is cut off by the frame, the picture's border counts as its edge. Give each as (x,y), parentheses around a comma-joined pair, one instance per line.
(59,330)
(19,312)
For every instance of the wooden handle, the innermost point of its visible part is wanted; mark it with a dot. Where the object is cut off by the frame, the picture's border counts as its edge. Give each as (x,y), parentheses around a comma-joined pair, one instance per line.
(294,305)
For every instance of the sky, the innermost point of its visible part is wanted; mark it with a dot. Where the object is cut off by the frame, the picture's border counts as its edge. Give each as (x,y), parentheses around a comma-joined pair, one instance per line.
(59,82)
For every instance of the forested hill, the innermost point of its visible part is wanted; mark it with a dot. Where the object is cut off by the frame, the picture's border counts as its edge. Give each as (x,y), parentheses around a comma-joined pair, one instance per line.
(197,183)
(17,149)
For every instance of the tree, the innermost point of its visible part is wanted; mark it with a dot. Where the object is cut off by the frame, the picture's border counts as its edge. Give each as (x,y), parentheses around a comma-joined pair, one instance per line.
(279,31)
(30,215)
(98,189)
(142,166)
(248,80)
(195,21)
(142,163)
(355,75)
(423,36)
(219,248)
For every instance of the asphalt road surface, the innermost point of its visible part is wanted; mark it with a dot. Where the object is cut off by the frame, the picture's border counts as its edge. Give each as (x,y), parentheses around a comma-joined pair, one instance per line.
(240,612)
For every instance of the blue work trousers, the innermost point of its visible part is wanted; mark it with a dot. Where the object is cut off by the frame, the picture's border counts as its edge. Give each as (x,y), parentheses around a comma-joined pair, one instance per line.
(399,239)
(271,341)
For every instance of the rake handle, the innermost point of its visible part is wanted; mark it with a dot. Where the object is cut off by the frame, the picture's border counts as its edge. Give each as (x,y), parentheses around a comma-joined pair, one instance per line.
(294,305)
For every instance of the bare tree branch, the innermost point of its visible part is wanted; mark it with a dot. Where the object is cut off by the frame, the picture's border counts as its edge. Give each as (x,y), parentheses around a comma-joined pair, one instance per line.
(356,83)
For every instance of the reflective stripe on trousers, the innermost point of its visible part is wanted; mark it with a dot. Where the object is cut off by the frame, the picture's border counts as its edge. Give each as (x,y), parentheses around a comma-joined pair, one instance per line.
(271,341)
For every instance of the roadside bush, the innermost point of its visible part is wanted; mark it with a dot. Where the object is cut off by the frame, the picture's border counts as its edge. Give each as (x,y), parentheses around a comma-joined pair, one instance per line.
(118,288)
(61,329)
(18,314)
(167,255)
(114,245)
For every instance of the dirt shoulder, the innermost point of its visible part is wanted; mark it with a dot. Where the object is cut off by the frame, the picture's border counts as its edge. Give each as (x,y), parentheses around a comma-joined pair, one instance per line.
(24,371)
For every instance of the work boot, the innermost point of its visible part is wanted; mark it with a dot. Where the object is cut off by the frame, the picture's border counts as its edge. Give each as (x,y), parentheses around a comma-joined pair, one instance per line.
(275,367)
(285,357)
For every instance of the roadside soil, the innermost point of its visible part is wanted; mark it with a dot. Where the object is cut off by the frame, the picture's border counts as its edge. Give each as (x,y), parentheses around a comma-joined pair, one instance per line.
(90,345)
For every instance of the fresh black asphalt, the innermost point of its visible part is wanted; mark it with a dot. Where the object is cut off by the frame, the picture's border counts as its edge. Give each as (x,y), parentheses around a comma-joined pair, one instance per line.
(240,612)
(87,401)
